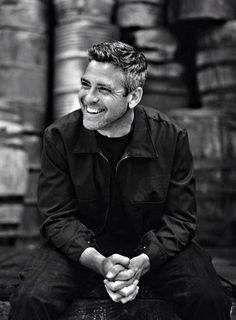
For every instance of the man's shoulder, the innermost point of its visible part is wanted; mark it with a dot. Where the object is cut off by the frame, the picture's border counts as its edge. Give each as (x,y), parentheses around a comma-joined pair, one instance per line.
(66,124)
(158,117)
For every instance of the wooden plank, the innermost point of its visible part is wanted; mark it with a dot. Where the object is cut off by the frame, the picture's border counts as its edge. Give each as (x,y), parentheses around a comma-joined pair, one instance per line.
(140,309)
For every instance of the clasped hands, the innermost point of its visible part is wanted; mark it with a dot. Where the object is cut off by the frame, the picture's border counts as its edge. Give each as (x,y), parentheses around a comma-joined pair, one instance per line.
(122,276)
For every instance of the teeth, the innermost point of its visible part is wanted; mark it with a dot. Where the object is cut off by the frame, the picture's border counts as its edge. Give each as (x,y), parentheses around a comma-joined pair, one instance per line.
(93,110)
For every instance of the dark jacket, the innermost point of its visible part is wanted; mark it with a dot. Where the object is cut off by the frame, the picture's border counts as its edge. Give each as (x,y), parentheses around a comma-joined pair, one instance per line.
(155,172)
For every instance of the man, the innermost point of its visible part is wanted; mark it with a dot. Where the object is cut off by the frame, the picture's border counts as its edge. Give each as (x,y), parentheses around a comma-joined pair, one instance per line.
(117,190)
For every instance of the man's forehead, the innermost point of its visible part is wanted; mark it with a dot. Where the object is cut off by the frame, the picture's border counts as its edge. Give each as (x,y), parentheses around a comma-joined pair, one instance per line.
(103,72)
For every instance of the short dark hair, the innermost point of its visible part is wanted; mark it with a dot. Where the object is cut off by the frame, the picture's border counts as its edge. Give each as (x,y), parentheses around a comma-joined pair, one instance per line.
(131,61)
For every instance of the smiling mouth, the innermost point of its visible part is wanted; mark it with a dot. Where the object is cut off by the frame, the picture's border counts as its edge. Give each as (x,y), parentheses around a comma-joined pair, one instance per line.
(93,110)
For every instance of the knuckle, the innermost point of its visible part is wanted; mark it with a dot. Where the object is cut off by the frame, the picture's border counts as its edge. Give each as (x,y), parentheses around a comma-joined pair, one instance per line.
(116,299)
(125,292)
(113,287)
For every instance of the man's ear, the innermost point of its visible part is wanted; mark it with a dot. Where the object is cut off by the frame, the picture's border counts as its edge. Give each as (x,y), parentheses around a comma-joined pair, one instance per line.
(135,97)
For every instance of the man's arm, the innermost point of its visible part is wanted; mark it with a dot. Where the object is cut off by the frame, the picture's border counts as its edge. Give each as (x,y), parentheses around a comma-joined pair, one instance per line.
(179,218)
(108,267)
(57,201)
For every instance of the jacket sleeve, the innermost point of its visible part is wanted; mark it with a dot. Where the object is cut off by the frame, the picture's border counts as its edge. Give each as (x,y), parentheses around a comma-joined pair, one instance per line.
(179,218)
(57,203)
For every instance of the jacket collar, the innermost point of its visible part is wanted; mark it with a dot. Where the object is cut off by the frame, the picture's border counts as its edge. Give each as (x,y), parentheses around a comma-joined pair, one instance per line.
(141,144)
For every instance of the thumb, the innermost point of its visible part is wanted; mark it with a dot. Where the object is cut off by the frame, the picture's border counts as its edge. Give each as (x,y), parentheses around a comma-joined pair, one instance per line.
(119,259)
(114,271)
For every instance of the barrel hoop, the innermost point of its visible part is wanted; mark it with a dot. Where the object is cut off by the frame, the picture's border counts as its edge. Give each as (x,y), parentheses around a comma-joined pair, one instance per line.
(22,65)
(153,2)
(38,30)
(211,57)
(71,55)
(168,90)
(30,201)
(34,167)
(65,90)
(11,199)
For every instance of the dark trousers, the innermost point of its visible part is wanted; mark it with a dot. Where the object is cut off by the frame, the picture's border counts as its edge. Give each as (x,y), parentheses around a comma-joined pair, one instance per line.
(50,281)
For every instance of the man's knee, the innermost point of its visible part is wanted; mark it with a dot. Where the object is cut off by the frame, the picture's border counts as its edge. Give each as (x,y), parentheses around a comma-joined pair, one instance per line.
(208,295)
(36,300)
(30,295)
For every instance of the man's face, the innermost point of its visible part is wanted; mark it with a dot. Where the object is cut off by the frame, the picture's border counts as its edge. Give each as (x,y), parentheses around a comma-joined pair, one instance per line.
(102,96)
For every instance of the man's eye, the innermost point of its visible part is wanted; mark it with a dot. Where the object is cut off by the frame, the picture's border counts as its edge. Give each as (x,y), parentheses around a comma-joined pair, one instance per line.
(85,85)
(104,90)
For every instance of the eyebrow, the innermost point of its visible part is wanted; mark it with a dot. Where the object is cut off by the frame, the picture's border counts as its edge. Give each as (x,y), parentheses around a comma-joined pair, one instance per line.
(83,79)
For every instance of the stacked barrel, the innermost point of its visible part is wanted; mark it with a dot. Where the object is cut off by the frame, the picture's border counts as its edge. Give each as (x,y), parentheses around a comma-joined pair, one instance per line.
(212,126)
(13,173)
(23,98)
(143,24)
(79,24)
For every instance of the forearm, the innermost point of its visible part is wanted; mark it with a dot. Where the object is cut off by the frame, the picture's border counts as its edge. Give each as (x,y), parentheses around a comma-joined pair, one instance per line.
(93,260)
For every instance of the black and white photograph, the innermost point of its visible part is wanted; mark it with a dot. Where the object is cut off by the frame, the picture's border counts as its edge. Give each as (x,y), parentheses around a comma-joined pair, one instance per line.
(117,159)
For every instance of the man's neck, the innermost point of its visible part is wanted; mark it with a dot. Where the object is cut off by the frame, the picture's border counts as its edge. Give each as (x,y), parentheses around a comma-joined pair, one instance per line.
(120,127)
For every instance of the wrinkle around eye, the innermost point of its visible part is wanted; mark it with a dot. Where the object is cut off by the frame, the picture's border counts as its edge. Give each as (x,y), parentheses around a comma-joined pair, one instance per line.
(105,91)
(85,86)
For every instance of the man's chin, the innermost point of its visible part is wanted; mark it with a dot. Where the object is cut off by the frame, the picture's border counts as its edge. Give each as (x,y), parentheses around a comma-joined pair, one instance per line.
(90,125)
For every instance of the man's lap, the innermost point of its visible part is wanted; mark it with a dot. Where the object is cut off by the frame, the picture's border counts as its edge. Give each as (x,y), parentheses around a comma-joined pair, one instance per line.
(48,267)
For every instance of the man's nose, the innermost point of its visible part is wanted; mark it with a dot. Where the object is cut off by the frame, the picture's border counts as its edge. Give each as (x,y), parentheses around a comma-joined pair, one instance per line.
(92,96)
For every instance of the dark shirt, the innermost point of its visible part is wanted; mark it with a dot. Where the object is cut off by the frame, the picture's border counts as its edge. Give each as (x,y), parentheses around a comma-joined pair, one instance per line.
(116,237)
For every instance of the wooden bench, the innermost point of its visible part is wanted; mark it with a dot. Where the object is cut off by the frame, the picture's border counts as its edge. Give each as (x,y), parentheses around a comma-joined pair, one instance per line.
(91,309)
(105,309)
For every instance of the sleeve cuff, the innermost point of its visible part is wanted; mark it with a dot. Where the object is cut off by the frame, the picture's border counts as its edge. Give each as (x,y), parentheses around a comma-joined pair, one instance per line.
(79,245)
(153,249)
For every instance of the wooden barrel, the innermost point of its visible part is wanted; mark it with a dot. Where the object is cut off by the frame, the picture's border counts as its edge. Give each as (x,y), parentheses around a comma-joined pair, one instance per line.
(75,10)
(157,44)
(142,14)
(23,57)
(76,38)
(212,135)
(193,10)
(24,14)
(24,43)
(68,73)
(70,60)
(13,174)
(33,147)
(31,218)
(65,102)
(216,66)
(165,88)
